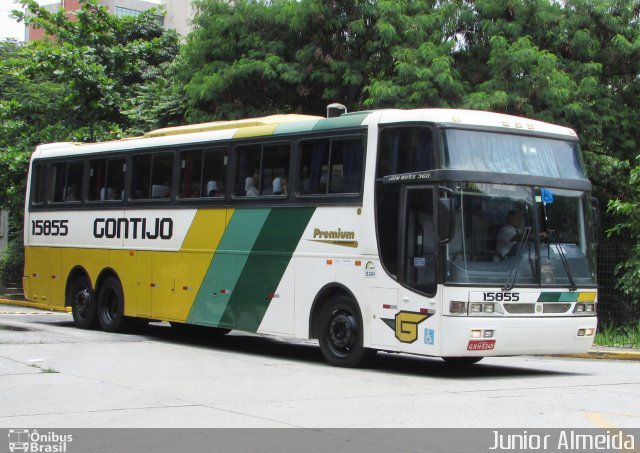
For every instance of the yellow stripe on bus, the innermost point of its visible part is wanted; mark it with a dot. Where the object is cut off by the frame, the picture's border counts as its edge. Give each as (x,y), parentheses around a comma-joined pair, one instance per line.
(206,230)
(587,297)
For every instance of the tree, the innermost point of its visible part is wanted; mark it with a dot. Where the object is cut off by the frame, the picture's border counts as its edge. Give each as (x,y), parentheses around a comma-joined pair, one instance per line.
(76,86)
(248,57)
(628,212)
(101,58)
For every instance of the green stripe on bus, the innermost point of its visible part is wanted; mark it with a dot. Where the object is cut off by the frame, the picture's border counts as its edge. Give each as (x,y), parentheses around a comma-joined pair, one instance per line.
(266,266)
(549,297)
(351,120)
(229,259)
(569,297)
(558,297)
(296,127)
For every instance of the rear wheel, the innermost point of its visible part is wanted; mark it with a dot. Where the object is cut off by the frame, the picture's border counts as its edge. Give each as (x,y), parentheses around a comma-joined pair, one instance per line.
(83,304)
(111,306)
(341,334)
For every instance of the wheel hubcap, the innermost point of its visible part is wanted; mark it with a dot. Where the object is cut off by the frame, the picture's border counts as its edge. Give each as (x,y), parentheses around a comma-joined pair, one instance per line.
(343,332)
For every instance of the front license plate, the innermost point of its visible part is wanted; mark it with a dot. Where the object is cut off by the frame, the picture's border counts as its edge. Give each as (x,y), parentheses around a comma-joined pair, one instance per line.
(481,345)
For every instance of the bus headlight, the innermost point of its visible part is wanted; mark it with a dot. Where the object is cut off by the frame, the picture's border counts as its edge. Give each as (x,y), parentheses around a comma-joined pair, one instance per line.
(584,308)
(480,308)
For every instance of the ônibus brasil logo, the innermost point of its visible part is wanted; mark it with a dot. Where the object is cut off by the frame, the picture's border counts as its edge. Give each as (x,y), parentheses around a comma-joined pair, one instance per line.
(32,441)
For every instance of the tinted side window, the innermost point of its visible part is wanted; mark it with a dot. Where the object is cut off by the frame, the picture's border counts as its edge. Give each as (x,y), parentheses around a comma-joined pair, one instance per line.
(202,173)
(331,167)
(38,185)
(106,179)
(405,149)
(152,176)
(263,170)
(214,171)
(66,181)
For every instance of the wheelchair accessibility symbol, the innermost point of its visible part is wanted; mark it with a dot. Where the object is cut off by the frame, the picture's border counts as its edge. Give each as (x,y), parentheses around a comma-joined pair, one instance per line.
(547,196)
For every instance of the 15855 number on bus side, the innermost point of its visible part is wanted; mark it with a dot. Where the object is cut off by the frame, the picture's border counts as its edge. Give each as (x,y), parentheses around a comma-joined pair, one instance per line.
(49,227)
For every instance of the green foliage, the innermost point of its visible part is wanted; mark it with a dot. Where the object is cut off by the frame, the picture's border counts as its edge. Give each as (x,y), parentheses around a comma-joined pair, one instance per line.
(12,262)
(102,60)
(75,86)
(619,336)
(627,210)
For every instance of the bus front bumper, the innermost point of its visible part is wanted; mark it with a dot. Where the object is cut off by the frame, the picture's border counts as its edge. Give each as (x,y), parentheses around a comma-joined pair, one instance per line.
(492,336)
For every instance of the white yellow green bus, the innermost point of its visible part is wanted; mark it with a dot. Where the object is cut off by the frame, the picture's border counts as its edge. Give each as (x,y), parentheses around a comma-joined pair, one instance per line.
(369,231)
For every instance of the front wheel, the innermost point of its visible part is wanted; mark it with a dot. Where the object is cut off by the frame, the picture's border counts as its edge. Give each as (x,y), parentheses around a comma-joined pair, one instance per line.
(341,333)
(111,306)
(83,304)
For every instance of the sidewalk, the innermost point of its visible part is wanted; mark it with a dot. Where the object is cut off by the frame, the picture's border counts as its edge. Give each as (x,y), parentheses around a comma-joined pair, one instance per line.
(597,352)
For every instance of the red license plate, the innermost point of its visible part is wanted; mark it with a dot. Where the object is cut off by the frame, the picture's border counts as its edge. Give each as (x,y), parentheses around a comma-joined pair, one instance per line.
(481,345)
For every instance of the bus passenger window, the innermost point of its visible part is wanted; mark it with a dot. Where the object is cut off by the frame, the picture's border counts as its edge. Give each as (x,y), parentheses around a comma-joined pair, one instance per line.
(313,168)
(38,186)
(263,170)
(66,181)
(275,170)
(190,174)
(331,167)
(152,176)
(346,166)
(106,179)
(202,173)
(214,171)
(58,174)
(248,172)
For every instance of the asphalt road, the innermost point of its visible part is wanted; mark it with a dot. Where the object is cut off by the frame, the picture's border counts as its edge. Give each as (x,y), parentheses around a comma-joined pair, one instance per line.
(54,375)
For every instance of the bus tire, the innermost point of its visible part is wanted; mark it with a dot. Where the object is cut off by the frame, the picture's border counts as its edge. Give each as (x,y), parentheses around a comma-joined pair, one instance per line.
(83,303)
(462,361)
(111,305)
(340,333)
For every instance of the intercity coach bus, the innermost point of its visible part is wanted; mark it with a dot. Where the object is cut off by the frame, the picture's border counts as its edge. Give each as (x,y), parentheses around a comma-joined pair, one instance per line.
(371,231)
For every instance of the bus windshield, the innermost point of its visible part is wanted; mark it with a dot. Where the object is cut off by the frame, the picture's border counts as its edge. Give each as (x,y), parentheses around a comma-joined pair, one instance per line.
(508,153)
(507,235)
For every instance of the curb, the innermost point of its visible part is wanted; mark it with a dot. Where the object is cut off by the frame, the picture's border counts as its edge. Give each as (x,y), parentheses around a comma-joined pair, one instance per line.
(605,355)
(24,303)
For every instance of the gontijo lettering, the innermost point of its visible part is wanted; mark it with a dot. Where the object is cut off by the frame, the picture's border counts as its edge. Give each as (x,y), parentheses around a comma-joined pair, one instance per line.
(133,228)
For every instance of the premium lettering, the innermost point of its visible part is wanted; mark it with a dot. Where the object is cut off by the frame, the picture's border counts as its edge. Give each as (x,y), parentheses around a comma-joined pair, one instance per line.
(133,228)
(339,234)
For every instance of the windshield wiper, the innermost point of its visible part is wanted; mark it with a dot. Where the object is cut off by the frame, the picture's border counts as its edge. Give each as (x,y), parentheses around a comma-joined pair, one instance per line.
(563,258)
(511,279)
